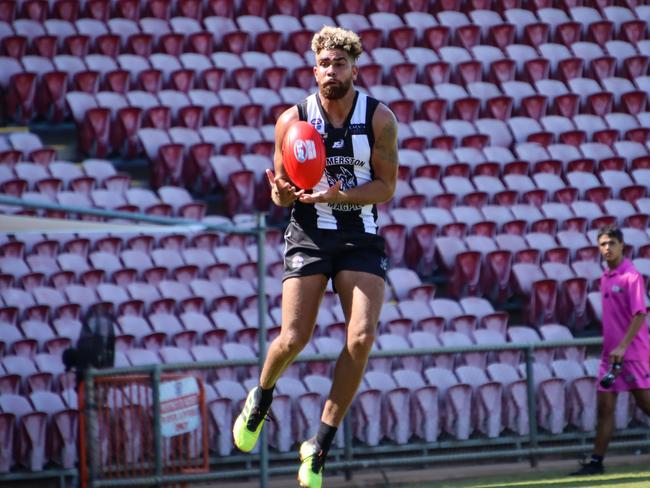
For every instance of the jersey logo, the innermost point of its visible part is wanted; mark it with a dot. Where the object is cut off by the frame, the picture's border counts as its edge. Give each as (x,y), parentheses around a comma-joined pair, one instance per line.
(338,144)
(344,175)
(317,123)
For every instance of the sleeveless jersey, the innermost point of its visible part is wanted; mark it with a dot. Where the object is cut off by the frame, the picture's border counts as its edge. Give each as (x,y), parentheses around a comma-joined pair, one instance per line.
(348,150)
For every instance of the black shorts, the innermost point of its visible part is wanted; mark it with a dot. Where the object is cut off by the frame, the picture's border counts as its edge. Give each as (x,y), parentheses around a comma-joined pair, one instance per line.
(319,251)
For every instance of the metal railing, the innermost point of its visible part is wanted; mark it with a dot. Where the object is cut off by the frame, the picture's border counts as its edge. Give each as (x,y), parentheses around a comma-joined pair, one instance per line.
(353,457)
(117,214)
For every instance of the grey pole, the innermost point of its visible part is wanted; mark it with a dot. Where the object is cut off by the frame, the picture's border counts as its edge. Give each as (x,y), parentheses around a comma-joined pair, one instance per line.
(261,336)
(532,406)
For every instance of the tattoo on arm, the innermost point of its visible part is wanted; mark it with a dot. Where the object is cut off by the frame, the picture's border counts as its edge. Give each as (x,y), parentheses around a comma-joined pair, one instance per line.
(386,142)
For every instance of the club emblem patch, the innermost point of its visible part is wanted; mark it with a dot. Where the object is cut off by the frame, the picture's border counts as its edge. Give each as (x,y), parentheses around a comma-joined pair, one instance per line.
(296,262)
(317,123)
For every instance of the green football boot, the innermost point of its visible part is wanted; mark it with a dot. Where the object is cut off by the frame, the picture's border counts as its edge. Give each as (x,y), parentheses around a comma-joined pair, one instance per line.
(249,423)
(312,459)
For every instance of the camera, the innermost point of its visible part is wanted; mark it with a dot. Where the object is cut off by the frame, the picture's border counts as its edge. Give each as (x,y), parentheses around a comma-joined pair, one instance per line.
(611,375)
(96,344)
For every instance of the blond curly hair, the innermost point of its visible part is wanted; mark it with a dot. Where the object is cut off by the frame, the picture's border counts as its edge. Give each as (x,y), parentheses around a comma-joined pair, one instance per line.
(336,38)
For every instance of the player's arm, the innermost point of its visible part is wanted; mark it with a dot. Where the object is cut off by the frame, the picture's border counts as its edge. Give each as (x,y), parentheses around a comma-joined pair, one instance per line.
(283,193)
(384,165)
(636,302)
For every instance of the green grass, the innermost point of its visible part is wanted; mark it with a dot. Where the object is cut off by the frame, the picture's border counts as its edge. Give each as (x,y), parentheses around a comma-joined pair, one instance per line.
(616,477)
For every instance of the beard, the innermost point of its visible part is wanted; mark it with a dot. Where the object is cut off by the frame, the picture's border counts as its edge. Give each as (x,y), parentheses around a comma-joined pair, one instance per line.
(336,90)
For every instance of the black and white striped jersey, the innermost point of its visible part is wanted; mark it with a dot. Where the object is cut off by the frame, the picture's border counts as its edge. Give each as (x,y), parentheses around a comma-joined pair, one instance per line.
(348,151)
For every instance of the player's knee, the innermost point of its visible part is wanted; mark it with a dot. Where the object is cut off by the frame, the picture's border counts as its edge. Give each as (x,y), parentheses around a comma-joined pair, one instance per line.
(360,345)
(293,342)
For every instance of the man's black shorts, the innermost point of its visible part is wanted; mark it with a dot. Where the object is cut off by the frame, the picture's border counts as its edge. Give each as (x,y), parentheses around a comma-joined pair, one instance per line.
(319,251)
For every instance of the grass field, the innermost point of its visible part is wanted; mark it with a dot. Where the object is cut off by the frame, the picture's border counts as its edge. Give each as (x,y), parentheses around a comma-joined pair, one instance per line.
(616,477)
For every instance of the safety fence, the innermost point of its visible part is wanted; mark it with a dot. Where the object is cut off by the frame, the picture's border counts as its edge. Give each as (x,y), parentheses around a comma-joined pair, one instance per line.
(354,456)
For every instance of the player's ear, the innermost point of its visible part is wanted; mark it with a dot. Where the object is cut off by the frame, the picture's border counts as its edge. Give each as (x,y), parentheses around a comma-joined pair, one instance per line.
(355,71)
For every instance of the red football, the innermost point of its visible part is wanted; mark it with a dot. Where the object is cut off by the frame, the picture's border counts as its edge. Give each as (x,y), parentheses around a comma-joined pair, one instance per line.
(303,154)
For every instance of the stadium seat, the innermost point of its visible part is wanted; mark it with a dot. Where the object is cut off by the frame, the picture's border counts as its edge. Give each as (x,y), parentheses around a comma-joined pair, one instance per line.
(580,395)
(424,404)
(551,413)
(395,406)
(455,398)
(305,406)
(62,427)
(30,431)
(488,398)
(93,123)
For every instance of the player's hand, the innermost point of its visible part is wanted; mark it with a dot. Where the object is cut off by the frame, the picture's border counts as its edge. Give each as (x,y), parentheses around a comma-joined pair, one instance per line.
(616,356)
(282,192)
(331,195)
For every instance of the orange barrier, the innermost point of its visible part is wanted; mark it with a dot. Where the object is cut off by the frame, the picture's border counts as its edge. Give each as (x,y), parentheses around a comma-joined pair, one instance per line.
(124,444)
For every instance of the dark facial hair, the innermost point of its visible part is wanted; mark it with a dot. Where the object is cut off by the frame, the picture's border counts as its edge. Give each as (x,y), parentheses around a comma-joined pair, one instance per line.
(336,91)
